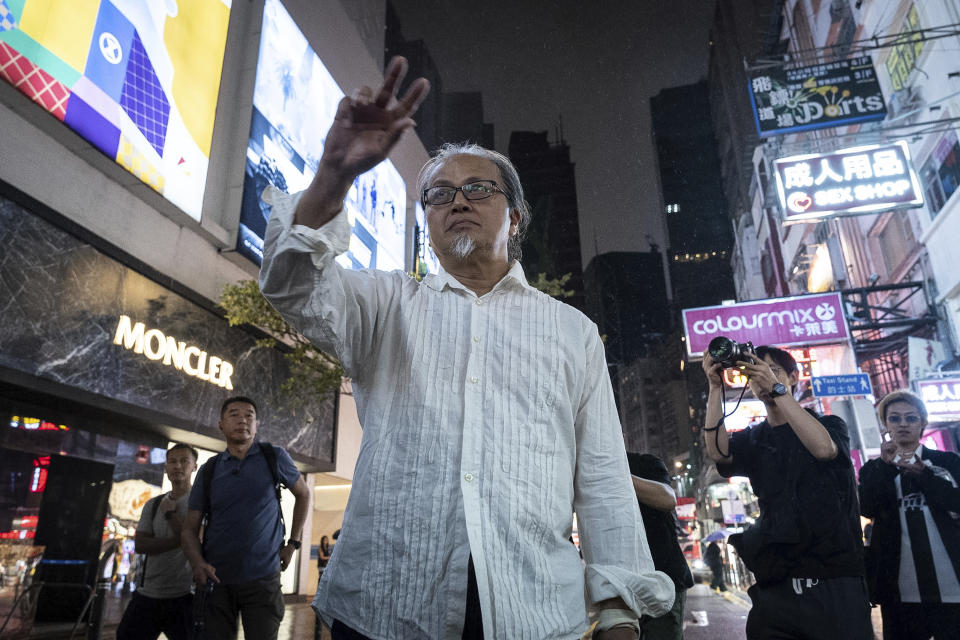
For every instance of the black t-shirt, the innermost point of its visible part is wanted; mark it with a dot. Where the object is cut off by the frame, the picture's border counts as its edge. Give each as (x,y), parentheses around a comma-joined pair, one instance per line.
(809,525)
(661,526)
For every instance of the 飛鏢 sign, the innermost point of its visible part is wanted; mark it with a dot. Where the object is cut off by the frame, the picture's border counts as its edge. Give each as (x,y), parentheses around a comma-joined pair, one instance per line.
(814,97)
(847,182)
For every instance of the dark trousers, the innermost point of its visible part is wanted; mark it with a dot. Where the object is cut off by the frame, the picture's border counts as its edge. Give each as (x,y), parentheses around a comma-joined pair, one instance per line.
(259,603)
(669,626)
(916,621)
(146,618)
(472,623)
(810,609)
(716,582)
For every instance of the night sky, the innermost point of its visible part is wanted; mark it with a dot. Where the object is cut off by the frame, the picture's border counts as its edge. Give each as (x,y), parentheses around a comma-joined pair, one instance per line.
(596,64)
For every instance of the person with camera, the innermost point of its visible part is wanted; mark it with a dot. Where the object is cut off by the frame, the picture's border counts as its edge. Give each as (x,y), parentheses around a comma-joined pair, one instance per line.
(910,492)
(805,549)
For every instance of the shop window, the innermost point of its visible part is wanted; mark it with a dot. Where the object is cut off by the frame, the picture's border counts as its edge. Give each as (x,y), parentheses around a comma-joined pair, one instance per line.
(941,173)
(903,58)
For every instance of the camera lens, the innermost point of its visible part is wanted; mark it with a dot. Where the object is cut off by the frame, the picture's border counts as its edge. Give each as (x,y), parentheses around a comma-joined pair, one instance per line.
(722,349)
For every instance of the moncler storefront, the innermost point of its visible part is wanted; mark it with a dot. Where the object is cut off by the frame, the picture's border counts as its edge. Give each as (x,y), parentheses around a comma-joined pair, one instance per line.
(103,364)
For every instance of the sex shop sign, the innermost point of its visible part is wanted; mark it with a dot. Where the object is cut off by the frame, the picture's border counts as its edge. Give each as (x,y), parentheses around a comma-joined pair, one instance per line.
(784,322)
(853,181)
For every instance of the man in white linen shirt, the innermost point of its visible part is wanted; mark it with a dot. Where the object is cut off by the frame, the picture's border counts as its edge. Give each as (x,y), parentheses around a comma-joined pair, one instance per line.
(487,410)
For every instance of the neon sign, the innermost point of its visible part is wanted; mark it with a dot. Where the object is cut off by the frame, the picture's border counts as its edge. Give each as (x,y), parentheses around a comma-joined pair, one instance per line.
(942,399)
(190,359)
(848,182)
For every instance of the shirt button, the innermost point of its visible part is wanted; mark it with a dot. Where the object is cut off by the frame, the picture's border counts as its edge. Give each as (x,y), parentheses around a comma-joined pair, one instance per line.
(474,379)
(476,338)
(468,477)
(479,302)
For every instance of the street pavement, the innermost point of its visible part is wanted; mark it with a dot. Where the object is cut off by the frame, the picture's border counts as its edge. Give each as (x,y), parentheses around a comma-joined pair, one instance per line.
(713,616)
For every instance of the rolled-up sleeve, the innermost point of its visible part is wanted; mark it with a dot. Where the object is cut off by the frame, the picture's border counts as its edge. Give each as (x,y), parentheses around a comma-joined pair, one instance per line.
(335,308)
(612,535)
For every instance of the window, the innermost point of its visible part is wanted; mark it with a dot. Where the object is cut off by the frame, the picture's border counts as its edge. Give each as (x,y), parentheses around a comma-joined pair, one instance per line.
(903,58)
(673,208)
(941,173)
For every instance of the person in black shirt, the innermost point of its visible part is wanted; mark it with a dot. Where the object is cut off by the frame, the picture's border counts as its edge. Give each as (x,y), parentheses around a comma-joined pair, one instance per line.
(806,548)
(651,483)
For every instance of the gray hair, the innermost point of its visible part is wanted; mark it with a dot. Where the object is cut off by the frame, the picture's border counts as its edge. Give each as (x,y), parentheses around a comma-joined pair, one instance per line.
(509,182)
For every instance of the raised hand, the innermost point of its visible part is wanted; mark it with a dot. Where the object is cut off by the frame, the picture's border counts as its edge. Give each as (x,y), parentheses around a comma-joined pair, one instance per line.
(367,126)
(714,370)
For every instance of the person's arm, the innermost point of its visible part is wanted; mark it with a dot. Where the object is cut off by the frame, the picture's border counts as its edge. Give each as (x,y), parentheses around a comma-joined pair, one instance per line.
(941,494)
(716,440)
(654,494)
(144,540)
(812,434)
(877,491)
(619,569)
(303,501)
(190,542)
(335,308)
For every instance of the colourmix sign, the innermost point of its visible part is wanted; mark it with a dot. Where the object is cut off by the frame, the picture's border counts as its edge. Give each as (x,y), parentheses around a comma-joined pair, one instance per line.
(801,320)
(847,182)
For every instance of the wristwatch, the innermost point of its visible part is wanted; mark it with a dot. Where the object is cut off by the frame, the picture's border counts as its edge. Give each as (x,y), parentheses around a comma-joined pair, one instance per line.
(294,543)
(778,390)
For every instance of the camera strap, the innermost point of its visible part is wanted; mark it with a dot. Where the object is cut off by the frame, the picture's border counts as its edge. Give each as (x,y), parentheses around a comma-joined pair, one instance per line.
(723,416)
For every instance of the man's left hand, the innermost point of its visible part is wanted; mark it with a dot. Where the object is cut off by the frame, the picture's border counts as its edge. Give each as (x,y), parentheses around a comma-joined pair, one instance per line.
(759,376)
(914,468)
(618,633)
(286,554)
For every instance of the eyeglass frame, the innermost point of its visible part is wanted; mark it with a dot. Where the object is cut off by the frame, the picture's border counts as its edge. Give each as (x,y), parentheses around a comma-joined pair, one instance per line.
(423,196)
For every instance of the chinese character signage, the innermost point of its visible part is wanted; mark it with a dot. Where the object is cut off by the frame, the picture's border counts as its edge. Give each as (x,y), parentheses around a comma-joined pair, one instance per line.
(802,320)
(847,182)
(942,399)
(825,95)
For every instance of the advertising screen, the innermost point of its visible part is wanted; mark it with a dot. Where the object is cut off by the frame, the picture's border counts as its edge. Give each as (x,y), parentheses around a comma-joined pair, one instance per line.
(426,259)
(138,79)
(852,181)
(294,102)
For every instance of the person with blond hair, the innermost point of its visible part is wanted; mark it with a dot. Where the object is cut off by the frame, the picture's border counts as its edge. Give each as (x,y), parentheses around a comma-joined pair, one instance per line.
(910,492)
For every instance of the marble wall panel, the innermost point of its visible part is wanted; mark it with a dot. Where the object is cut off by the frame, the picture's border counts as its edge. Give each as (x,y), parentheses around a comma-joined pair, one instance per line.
(60,304)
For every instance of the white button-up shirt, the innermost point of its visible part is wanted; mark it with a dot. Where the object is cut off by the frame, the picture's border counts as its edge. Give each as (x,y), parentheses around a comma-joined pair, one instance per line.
(487,422)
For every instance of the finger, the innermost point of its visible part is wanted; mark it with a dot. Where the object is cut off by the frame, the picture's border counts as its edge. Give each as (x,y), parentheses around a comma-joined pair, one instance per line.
(362,95)
(411,100)
(393,76)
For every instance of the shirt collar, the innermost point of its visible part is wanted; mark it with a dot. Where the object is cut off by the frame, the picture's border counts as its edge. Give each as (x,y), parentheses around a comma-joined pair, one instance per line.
(514,277)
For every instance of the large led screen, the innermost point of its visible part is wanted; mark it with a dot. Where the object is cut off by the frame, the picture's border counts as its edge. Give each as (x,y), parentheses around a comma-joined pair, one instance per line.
(138,79)
(294,102)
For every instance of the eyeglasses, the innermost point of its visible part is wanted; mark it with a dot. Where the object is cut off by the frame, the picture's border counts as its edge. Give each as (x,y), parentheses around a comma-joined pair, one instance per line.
(911,418)
(480,190)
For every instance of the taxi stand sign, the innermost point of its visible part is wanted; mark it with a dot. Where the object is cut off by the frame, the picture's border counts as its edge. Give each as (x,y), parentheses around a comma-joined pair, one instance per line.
(852,384)
(851,181)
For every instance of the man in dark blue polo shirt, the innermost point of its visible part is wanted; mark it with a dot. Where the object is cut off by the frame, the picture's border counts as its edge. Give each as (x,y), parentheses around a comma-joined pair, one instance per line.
(243,551)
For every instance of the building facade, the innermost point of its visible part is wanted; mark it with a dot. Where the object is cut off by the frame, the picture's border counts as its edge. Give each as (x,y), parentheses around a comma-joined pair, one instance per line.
(132,157)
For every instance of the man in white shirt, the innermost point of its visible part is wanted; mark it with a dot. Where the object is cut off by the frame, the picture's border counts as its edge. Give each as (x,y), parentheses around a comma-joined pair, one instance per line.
(487,410)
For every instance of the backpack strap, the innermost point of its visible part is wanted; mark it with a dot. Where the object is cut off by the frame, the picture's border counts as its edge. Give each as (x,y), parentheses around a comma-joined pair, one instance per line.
(270,454)
(206,477)
(154,508)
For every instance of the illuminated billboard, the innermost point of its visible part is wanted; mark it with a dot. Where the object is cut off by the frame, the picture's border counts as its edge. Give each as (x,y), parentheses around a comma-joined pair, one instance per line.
(817,96)
(853,181)
(294,103)
(426,259)
(942,398)
(138,79)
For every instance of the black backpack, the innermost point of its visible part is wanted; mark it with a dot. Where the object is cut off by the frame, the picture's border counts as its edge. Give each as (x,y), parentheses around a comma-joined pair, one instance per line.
(206,477)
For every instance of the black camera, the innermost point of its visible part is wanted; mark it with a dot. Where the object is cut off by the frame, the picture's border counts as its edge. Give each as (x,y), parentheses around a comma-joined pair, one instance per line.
(728,352)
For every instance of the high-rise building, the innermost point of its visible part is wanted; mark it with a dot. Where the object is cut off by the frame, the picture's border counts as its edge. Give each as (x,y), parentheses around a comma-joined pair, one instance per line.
(626,296)
(552,245)
(428,115)
(699,234)
(461,119)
